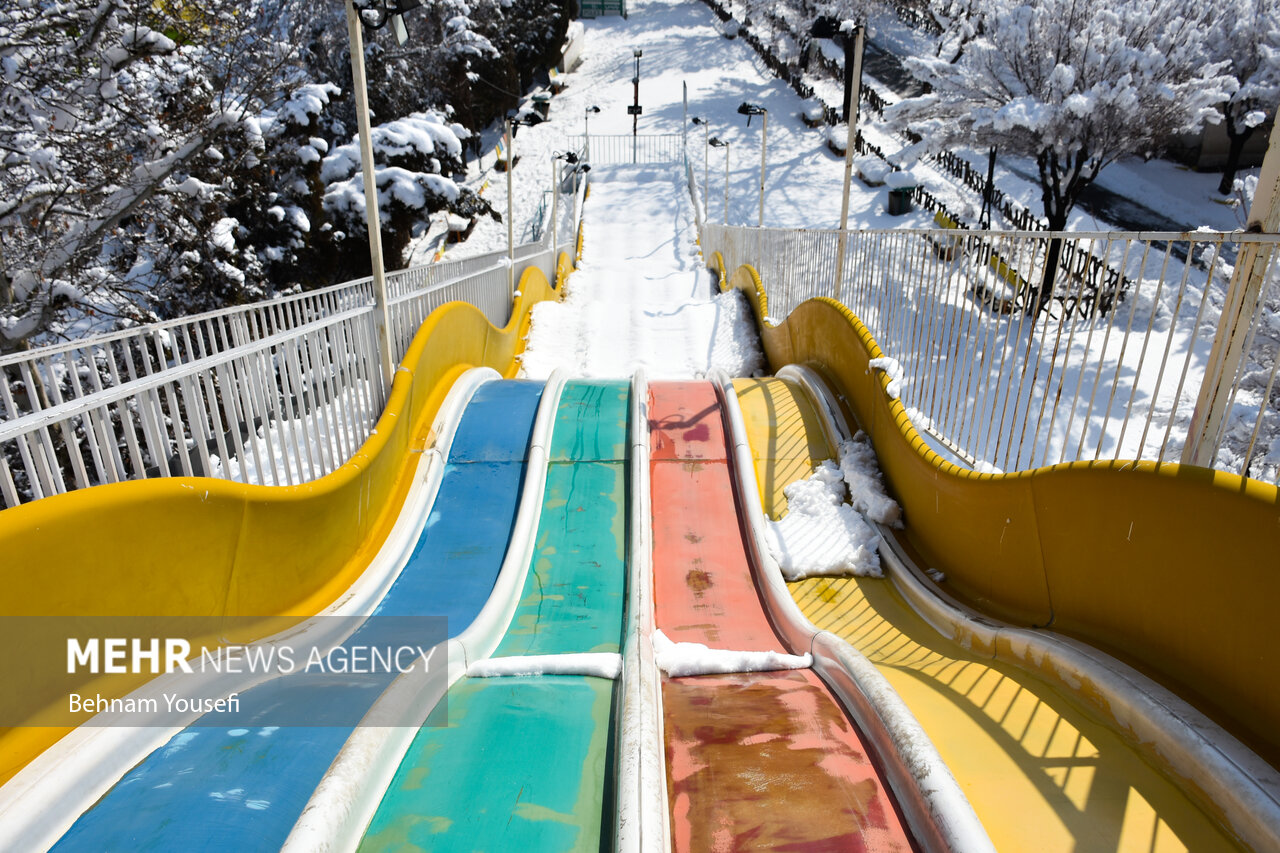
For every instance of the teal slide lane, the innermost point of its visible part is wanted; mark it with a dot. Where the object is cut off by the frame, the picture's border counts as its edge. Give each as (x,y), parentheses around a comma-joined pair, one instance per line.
(525,762)
(242,787)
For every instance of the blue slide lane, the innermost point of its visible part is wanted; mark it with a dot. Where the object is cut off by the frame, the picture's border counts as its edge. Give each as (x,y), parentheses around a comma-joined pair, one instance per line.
(243,788)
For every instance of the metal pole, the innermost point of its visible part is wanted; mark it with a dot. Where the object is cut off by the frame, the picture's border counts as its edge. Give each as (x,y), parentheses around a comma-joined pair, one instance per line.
(511,237)
(684,121)
(635,116)
(555,208)
(726,183)
(706,165)
(586,135)
(988,191)
(1243,294)
(764,144)
(852,138)
(382,312)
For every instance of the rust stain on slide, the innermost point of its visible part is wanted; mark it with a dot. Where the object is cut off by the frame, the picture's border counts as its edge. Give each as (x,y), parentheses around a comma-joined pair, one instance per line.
(767,761)
(703,589)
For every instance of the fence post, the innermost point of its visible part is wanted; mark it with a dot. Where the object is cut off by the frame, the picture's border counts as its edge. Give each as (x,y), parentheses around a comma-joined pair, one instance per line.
(1243,295)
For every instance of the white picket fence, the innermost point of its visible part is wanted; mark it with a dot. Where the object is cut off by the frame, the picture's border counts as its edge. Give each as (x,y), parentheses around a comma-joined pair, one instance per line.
(1112,370)
(274,393)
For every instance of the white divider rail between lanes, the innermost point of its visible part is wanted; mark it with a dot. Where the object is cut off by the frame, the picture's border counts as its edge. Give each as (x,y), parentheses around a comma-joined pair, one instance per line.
(937,811)
(348,796)
(643,820)
(41,802)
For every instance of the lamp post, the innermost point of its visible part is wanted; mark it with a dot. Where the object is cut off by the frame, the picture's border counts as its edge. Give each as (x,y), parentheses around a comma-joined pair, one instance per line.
(382,312)
(717,142)
(572,159)
(827,27)
(750,110)
(635,107)
(706,134)
(509,139)
(586,130)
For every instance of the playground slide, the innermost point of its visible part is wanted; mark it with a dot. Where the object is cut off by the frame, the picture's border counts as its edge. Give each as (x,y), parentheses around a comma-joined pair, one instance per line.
(1096,571)
(1040,772)
(259,558)
(525,762)
(768,758)
(244,784)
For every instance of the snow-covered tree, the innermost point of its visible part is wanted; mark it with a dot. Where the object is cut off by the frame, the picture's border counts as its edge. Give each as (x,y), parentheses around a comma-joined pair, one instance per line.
(1246,35)
(106,107)
(415,159)
(1074,85)
(960,23)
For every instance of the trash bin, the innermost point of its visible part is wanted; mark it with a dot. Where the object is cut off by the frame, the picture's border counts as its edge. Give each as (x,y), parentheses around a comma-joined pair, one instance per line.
(542,103)
(901,187)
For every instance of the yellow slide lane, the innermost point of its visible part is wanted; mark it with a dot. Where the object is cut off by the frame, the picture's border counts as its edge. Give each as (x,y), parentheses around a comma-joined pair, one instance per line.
(1040,773)
(261,558)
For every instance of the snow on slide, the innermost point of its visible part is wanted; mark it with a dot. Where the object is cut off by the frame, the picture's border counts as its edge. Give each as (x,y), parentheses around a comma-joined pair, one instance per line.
(642,296)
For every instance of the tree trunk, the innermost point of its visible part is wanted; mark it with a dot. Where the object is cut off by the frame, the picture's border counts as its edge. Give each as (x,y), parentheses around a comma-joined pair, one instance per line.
(1238,139)
(1052,258)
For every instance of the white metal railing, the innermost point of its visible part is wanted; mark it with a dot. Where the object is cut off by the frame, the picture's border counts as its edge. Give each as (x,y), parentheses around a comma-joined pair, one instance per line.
(1111,370)
(274,393)
(625,148)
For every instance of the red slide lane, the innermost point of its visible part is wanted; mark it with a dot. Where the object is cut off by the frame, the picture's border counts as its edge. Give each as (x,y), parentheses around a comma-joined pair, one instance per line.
(756,761)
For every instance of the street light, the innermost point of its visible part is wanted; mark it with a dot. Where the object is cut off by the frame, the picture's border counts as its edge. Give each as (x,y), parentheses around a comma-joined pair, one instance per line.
(572,159)
(634,109)
(750,110)
(717,142)
(706,131)
(827,27)
(586,130)
(508,130)
(382,310)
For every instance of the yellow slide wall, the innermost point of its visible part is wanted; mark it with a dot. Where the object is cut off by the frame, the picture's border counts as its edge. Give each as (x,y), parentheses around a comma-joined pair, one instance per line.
(201,547)
(1175,570)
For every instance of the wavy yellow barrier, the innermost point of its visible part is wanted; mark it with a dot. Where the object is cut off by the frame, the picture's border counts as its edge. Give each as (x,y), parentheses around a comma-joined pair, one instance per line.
(1175,570)
(1040,773)
(261,557)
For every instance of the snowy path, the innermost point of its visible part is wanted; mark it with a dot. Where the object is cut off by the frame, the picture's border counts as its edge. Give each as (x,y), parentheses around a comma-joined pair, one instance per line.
(642,296)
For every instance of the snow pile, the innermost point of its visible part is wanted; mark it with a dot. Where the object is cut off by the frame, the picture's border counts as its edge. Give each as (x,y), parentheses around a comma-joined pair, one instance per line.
(866,484)
(642,296)
(821,535)
(597,664)
(682,659)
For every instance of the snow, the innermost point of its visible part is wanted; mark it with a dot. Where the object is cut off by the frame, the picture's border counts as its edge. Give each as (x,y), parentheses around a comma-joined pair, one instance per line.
(901,180)
(893,369)
(862,475)
(222,234)
(821,535)
(597,664)
(642,296)
(684,659)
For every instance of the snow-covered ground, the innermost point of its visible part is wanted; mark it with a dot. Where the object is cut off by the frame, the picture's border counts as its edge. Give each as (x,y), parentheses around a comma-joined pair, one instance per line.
(642,296)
